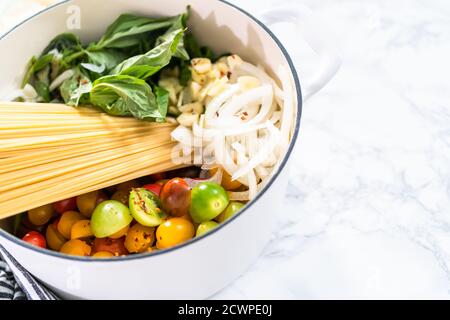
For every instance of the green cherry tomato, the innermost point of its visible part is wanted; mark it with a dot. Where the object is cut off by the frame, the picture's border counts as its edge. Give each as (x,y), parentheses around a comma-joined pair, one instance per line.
(145,207)
(205,227)
(208,200)
(109,217)
(230,211)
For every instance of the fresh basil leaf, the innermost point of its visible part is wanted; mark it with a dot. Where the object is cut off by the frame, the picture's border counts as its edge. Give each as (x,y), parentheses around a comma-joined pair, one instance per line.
(180,23)
(195,50)
(123,95)
(81,94)
(109,58)
(64,42)
(42,90)
(75,89)
(162,101)
(125,31)
(35,65)
(145,65)
(185,73)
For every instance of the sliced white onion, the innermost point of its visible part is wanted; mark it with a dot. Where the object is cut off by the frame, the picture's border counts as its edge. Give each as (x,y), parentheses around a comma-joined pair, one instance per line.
(262,154)
(249,97)
(211,133)
(184,136)
(213,107)
(60,79)
(244,133)
(93,67)
(29,93)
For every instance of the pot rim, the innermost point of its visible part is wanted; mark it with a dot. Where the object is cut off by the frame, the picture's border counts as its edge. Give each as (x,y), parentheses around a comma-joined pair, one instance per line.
(224,224)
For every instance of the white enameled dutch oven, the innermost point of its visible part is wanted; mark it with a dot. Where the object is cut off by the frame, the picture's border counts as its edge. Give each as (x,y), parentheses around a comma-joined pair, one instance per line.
(199,268)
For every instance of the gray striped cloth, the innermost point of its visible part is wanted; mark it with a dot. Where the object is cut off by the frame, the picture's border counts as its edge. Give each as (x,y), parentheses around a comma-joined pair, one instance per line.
(17,284)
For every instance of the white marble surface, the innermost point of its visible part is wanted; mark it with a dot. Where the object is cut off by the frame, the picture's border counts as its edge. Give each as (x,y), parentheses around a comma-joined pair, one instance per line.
(368,207)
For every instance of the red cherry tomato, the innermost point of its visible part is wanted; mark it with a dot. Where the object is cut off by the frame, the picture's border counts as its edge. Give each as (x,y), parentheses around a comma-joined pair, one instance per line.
(115,246)
(35,238)
(154,187)
(66,205)
(176,197)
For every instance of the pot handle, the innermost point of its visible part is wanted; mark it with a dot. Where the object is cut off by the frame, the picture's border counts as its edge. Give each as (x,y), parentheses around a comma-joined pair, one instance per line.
(316,34)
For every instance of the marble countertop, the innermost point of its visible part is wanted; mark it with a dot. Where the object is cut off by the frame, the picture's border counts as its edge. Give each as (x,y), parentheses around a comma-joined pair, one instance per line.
(367,213)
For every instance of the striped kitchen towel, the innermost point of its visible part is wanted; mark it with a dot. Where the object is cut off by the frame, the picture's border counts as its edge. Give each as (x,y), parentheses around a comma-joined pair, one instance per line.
(18,284)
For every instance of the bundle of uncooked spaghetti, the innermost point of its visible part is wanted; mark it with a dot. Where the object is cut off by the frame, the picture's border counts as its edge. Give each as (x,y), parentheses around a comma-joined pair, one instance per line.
(49,152)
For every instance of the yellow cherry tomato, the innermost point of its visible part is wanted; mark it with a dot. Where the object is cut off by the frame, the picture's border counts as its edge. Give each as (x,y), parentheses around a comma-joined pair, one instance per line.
(87,202)
(121,196)
(76,248)
(121,233)
(41,215)
(81,229)
(173,232)
(227,183)
(103,254)
(55,240)
(139,238)
(66,222)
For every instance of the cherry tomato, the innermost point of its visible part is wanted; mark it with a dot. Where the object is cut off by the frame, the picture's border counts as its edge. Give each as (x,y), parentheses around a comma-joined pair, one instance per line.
(55,240)
(227,183)
(121,196)
(144,207)
(109,217)
(76,248)
(205,227)
(81,229)
(87,202)
(35,238)
(41,215)
(176,197)
(115,246)
(66,222)
(209,199)
(154,187)
(232,208)
(103,254)
(139,238)
(173,232)
(65,205)
(121,233)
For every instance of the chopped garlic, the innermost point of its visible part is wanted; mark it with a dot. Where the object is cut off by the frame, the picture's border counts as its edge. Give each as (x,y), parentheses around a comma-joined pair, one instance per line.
(195,107)
(199,78)
(201,65)
(217,87)
(173,86)
(188,119)
(195,90)
(234,61)
(171,120)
